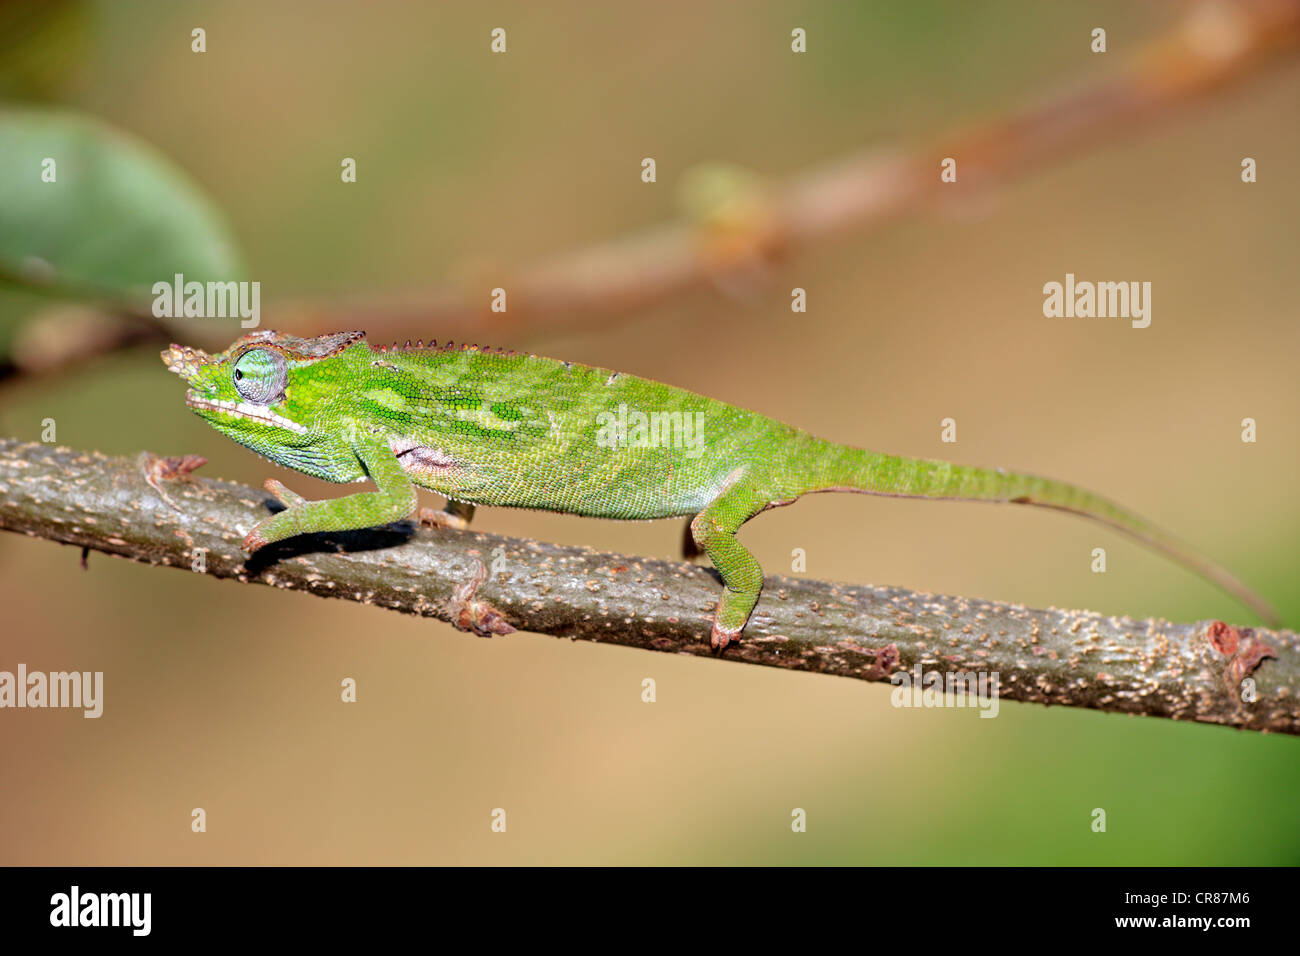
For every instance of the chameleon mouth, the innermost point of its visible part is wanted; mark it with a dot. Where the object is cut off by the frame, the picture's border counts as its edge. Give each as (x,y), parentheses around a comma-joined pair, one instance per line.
(244,410)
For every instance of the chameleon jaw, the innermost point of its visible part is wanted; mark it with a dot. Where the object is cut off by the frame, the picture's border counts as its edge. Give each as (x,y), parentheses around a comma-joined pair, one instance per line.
(244,410)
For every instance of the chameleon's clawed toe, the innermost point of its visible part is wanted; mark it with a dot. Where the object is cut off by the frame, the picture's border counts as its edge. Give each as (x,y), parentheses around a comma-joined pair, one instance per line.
(254,540)
(720,637)
(284,495)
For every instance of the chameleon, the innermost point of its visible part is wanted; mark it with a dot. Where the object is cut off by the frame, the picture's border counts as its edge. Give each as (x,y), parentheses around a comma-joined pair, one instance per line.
(491,427)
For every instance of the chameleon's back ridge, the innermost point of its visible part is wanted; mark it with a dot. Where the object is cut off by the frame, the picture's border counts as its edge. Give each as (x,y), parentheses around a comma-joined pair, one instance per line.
(493,427)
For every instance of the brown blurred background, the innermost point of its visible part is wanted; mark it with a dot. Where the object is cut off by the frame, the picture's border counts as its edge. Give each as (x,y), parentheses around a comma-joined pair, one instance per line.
(227,697)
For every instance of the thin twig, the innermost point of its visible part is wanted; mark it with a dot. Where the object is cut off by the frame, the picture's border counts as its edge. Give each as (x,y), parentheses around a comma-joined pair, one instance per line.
(154,511)
(1216,44)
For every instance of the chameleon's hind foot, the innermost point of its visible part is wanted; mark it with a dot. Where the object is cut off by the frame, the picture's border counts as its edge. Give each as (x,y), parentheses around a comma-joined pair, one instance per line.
(714,531)
(721,636)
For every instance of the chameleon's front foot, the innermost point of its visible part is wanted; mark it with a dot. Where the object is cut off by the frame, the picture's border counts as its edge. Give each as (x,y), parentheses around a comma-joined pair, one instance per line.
(260,533)
(254,540)
(264,532)
(394,500)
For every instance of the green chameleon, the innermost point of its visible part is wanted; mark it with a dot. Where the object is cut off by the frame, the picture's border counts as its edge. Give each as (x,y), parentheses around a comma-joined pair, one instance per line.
(487,427)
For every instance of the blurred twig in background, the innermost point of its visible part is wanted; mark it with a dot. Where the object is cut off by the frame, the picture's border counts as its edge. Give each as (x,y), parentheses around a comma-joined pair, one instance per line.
(1216,43)
(152,510)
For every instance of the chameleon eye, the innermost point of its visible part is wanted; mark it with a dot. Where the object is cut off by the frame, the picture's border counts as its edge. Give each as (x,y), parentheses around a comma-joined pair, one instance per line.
(260,376)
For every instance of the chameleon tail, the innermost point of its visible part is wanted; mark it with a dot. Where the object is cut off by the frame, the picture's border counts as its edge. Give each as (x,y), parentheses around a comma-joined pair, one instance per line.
(853,469)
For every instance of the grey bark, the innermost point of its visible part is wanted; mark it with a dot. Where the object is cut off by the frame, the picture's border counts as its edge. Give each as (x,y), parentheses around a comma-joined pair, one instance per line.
(152,511)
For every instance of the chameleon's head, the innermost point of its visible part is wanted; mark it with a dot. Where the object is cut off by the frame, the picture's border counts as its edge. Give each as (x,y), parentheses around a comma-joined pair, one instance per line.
(259,391)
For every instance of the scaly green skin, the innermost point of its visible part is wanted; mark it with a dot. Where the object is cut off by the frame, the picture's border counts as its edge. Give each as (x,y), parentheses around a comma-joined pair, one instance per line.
(486,427)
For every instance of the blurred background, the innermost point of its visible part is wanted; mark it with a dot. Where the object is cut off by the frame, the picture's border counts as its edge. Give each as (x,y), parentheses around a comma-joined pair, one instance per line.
(226,697)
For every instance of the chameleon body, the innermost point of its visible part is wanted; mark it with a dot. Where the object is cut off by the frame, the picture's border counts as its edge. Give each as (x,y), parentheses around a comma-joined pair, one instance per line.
(486,427)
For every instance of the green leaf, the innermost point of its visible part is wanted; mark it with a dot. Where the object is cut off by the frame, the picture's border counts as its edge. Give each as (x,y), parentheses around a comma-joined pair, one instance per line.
(117,218)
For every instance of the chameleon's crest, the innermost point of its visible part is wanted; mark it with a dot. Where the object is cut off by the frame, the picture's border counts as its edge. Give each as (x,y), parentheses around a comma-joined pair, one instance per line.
(448,346)
(312,350)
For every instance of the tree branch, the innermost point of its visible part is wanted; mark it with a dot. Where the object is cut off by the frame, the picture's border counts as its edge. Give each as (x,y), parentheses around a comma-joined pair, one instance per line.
(1216,44)
(153,511)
